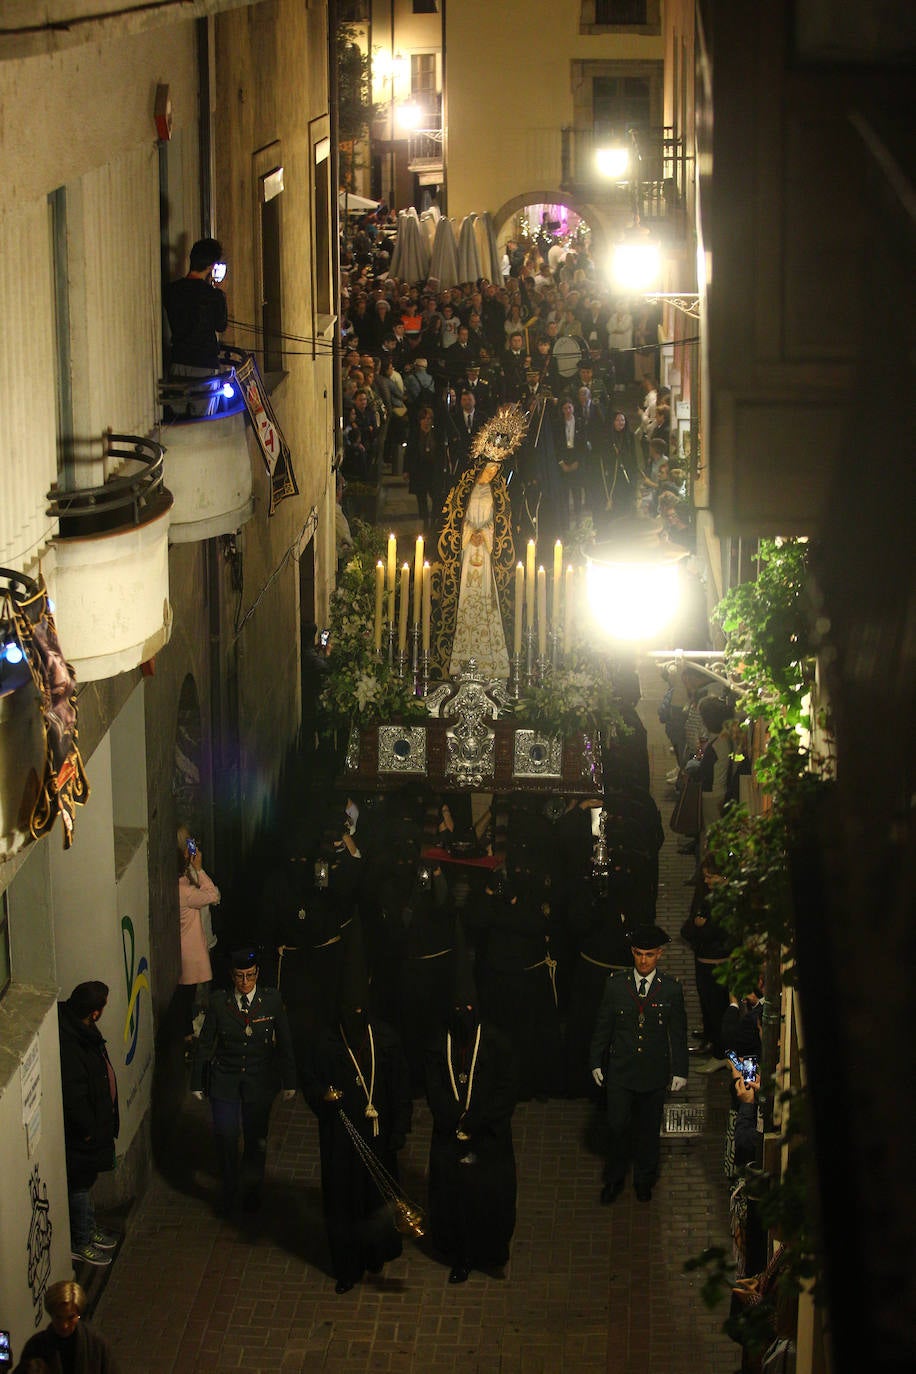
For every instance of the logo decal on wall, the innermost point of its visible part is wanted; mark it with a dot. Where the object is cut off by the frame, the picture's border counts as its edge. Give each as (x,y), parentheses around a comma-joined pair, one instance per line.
(136,980)
(39,1243)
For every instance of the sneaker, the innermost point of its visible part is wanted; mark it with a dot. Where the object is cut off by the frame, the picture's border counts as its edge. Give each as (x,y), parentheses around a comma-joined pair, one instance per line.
(105,1240)
(91,1254)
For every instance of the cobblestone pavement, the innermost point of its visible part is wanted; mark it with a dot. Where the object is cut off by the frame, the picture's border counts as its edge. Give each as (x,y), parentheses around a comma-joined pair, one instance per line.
(588,1289)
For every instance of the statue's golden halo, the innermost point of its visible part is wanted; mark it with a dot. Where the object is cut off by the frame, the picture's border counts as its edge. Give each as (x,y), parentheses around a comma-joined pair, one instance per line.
(501,436)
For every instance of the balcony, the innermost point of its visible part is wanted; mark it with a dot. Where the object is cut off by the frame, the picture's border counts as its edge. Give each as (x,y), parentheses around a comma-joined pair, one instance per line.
(656,186)
(206,461)
(110,580)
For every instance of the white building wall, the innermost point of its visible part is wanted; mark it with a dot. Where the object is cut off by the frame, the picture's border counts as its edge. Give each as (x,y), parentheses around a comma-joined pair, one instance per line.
(34,1219)
(28,416)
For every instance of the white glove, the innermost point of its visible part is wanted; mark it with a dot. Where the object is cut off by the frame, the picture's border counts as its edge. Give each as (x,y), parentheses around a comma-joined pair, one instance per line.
(598,1076)
(199,1094)
(677,1083)
(289,1094)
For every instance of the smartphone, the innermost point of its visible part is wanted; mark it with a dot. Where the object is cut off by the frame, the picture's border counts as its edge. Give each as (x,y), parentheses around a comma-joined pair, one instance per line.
(191,847)
(323,638)
(6,1358)
(747,1067)
(218,272)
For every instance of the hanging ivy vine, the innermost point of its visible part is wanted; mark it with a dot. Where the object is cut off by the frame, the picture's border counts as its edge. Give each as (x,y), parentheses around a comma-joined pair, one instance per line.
(769,650)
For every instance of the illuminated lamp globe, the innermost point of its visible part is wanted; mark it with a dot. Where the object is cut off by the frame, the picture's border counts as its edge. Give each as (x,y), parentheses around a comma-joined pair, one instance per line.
(612,162)
(632,582)
(637,266)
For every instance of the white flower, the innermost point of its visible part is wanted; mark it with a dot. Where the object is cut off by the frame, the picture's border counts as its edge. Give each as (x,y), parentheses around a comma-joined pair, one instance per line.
(367,689)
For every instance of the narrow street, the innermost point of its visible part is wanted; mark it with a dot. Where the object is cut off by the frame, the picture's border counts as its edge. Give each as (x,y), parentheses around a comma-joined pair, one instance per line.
(588,1289)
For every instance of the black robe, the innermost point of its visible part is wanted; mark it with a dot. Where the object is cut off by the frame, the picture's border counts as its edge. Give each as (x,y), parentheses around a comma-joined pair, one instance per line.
(472,1205)
(360,1224)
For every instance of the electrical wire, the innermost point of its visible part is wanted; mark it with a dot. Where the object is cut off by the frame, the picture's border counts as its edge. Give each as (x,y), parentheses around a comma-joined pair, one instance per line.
(290,555)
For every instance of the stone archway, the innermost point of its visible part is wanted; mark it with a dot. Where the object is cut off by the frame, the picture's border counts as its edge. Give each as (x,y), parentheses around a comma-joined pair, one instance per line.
(596,220)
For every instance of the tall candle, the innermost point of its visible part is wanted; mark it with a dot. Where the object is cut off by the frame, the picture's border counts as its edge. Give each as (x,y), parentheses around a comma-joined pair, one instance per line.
(402,610)
(568,610)
(530,583)
(392,563)
(557,579)
(379,594)
(542,612)
(427,604)
(417,579)
(519,605)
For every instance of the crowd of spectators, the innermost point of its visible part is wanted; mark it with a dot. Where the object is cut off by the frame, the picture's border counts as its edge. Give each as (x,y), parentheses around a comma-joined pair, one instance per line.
(424,366)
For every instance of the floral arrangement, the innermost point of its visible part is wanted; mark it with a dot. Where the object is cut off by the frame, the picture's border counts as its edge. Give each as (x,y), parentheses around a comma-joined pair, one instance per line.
(580,696)
(360,689)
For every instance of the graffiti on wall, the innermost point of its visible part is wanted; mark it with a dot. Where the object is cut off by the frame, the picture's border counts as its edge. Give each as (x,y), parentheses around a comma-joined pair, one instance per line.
(135,974)
(39,1243)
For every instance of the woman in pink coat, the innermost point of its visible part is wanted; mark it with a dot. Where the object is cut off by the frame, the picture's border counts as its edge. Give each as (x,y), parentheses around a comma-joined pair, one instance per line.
(196,893)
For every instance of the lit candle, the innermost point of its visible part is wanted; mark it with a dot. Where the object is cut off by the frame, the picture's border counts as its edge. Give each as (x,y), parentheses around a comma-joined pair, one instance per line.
(427,604)
(417,579)
(379,594)
(557,579)
(542,612)
(530,583)
(392,564)
(402,610)
(568,609)
(519,605)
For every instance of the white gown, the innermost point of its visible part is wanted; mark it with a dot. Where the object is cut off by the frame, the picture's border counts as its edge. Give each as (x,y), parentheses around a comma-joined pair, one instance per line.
(478,624)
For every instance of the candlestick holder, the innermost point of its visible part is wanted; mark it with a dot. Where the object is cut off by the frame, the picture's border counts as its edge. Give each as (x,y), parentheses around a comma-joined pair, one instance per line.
(400,666)
(388,642)
(530,655)
(415,650)
(514,686)
(555,640)
(423,674)
(542,668)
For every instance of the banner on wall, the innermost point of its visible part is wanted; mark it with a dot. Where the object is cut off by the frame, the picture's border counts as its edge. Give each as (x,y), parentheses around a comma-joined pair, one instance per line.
(274,448)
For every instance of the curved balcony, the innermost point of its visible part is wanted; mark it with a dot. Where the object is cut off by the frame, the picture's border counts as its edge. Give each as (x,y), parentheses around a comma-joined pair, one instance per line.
(207,465)
(110,582)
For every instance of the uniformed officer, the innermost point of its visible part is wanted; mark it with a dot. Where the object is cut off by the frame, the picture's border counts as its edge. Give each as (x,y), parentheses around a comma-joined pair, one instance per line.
(244,1056)
(639,1044)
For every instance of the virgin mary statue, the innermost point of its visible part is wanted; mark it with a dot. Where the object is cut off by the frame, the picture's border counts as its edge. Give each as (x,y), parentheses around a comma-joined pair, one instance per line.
(473,583)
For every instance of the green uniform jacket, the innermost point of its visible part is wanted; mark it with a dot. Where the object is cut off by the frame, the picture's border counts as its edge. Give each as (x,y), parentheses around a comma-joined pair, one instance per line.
(253,1067)
(641,1058)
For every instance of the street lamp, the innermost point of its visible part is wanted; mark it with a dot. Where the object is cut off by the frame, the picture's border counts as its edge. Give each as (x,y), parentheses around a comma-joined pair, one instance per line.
(632,582)
(612,162)
(408,116)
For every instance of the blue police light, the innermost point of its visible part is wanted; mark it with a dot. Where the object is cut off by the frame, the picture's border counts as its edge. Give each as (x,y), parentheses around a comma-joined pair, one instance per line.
(227,390)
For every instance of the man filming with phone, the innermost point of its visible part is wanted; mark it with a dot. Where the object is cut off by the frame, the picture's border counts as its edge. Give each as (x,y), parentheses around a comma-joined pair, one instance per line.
(197,312)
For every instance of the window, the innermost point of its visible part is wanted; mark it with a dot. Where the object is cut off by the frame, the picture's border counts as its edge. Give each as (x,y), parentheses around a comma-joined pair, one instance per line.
(5,966)
(600,16)
(322,222)
(620,11)
(426,6)
(619,103)
(270,199)
(60,272)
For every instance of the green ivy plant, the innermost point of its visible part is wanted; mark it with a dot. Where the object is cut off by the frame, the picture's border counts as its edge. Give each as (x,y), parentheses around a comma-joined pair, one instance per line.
(769,650)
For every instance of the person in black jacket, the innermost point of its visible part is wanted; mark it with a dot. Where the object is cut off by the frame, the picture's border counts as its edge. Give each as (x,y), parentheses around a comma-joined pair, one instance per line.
(245,1051)
(91,1119)
(197,312)
(358,1085)
(68,1343)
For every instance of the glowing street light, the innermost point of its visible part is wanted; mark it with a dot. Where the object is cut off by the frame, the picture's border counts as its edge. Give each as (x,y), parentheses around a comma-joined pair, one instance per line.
(612,162)
(637,267)
(632,582)
(408,116)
